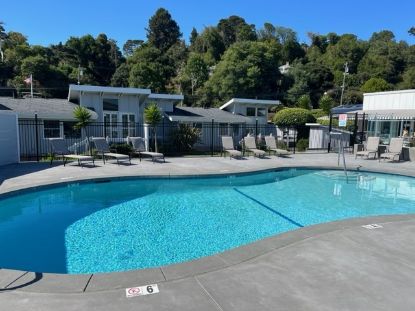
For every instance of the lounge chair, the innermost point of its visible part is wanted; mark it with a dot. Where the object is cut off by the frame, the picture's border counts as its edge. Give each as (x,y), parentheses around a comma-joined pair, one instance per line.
(250,146)
(272,146)
(103,148)
(227,145)
(394,150)
(59,148)
(139,147)
(372,147)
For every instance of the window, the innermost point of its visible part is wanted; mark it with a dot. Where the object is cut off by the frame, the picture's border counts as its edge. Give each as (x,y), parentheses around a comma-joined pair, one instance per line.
(261,112)
(110,104)
(128,125)
(223,129)
(110,125)
(69,130)
(51,129)
(250,112)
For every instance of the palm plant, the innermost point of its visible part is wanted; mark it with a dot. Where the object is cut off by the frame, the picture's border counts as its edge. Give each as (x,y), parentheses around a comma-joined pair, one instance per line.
(153,116)
(83,118)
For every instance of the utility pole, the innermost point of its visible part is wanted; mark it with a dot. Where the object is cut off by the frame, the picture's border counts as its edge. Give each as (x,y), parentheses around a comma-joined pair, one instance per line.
(346,72)
(80,74)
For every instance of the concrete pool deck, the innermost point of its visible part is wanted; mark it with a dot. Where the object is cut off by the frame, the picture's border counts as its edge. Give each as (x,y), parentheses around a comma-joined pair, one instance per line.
(333,266)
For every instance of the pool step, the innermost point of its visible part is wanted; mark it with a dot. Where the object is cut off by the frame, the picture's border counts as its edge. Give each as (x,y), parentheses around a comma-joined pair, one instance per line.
(351,176)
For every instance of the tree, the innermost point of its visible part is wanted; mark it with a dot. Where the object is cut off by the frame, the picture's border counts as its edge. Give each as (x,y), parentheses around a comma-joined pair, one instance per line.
(162,30)
(152,116)
(326,103)
(234,28)
(193,36)
(196,71)
(130,46)
(375,85)
(210,43)
(412,31)
(304,102)
(408,79)
(83,118)
(247,69)
(121,75)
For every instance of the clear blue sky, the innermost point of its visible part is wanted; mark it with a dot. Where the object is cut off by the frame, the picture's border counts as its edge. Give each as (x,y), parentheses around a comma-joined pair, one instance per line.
(51,21)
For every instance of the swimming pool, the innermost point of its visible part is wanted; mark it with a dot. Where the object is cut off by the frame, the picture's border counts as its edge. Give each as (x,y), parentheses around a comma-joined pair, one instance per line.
(130,224)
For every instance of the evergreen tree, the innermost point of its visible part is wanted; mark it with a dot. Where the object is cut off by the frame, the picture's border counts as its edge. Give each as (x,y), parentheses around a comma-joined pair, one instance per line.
(163,32)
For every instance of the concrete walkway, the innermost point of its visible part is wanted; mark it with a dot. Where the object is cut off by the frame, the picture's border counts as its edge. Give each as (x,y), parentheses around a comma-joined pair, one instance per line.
(333,266)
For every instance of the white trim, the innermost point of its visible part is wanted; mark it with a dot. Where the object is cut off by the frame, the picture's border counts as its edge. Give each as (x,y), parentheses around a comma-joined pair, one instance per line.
(74,88)
(251,102)
(166,96)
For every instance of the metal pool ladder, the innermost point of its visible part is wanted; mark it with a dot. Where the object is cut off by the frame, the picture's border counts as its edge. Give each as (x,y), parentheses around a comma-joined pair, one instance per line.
(341,154)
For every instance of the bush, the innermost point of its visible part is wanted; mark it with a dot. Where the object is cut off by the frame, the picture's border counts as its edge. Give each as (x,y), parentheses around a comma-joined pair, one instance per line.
(326,103)
(122,148)
(293,117)
(185,136)
(302,144)
(318,113)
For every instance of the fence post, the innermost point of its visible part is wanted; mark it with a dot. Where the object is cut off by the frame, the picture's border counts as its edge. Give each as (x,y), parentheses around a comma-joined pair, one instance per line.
(256,128)
(37,138)
(211,141)
(330,126)
(295,138)
(355,128)
(162,122)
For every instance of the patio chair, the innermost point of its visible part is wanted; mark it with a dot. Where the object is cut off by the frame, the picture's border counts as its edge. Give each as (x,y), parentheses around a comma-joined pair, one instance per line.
(272,147)
(228,147)
(139,147)
(103,148)
(59,148)
(250,146)
(394,150)
(372,147)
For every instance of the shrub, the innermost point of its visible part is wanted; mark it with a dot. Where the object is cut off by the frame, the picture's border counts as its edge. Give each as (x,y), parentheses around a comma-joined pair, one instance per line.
(318,113)
(295,117)
(326,103)
(292,117)
(185,136)
(122,148)
(302,144)
(304,102)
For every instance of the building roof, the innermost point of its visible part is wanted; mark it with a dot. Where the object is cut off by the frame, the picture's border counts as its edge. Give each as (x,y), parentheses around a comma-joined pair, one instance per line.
(51,109)
(75,90)
(347,108)
(390,114)
(390,92)
(176,97)
(197,115)
(251,102)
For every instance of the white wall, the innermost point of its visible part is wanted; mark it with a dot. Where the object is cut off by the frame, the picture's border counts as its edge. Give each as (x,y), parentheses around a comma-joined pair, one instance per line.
(9,138)
(389,100)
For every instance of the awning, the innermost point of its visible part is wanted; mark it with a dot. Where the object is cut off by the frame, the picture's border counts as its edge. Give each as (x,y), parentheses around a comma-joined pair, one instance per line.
(393,114)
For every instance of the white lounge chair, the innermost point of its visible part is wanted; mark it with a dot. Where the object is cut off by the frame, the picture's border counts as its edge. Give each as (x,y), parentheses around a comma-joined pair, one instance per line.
(372,147)
(272,146)
(228,147)
(139,147)
(250,146)
(394,151)
(59,148)
(103,148)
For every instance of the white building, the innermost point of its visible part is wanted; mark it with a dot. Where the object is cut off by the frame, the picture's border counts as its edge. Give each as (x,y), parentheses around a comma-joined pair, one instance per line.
(390,114)
(254,109)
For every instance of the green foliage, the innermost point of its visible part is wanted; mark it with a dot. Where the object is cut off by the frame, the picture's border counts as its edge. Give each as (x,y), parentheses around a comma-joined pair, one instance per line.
(196,71)
(235,29)
(121,76)
(304,102)
(302,144)
(326,103)
(318,113)
(163,32)
(130,46)
(184,137)
(375,85)
(122,148)
(246,70)
(411,31)
(293,117)
(152,114)
(82,116)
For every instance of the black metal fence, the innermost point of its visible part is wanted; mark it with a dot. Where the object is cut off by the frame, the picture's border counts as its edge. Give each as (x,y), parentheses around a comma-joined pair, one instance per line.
(173,138)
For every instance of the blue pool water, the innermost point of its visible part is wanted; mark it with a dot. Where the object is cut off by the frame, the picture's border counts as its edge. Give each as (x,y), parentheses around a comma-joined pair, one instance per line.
(141,223)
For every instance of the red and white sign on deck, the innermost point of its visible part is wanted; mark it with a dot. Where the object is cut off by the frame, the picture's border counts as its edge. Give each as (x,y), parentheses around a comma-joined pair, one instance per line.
(141,290)
(342,120)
